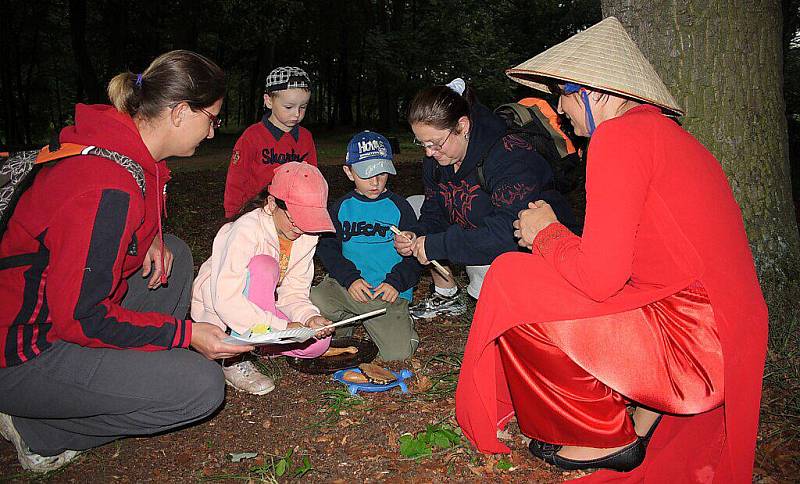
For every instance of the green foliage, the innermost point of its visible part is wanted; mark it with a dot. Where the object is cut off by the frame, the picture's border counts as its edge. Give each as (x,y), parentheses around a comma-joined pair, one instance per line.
(286,466)
(435,437)
(270,368)
(334,402)
(366,58)
(504,465)
(281,466)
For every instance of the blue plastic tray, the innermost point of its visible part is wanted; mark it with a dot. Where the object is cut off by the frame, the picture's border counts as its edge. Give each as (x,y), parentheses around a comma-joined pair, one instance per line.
(354,388)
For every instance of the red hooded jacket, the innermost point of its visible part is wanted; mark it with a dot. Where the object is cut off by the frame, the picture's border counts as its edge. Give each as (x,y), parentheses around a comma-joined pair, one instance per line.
(76,234)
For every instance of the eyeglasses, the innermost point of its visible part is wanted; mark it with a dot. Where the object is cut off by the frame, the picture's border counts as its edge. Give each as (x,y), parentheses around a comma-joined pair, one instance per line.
(216,121)
(564,89)
(433,146)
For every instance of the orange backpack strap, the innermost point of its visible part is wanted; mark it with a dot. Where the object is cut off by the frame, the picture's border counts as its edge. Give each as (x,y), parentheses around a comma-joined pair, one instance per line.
(65,150)
(550,120)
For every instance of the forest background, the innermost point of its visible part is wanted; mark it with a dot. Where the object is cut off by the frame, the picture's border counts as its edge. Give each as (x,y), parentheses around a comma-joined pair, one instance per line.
(369,57)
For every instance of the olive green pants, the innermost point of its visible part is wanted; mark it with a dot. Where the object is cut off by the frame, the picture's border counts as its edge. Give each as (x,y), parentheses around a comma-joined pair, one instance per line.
(393,333)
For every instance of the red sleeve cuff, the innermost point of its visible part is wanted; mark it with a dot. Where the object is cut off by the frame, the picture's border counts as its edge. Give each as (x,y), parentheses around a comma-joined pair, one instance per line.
(545,240)
(183,333)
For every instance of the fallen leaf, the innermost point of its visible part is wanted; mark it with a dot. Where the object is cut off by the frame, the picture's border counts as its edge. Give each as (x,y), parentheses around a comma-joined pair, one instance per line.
(344,440)
(239,456)
(392,438)
(422,384)
(266,424)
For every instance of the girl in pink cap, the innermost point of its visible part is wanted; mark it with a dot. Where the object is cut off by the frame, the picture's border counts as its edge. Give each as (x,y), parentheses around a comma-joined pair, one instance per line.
(261,266)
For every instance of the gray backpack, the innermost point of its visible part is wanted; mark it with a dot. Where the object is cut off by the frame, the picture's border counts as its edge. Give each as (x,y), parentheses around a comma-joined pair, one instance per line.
(18,169)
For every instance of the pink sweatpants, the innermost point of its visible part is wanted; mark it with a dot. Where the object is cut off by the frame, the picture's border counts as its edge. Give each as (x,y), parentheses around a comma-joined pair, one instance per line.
(264,272)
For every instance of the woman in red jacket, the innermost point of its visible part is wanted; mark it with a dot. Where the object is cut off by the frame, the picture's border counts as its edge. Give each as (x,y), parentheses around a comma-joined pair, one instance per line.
(643,348)
(92,295)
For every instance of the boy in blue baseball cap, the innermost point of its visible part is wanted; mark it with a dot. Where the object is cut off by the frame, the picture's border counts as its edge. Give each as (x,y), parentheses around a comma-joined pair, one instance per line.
(365,271)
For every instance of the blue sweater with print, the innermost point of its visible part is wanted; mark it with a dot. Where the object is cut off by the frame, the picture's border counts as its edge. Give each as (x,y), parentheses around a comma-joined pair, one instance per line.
(467,225)
(363,246)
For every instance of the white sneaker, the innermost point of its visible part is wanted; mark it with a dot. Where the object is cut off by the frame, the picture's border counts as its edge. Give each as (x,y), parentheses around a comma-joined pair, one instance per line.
(438,305)
(27,459)
(245,376)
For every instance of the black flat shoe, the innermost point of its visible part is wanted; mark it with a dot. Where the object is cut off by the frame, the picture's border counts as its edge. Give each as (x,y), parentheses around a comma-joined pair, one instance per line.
(622,460)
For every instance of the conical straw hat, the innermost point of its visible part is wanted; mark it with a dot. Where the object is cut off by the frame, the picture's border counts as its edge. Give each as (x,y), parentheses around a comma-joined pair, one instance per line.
(603,57)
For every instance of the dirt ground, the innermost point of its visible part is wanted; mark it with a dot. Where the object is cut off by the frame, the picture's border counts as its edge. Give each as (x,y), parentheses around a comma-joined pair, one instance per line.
(342,438)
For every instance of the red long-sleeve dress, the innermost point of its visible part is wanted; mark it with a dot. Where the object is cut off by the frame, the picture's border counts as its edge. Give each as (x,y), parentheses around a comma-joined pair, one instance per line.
(660,218)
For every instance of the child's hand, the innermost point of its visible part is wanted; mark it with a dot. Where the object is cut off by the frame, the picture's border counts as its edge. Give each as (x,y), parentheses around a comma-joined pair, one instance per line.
(387,293)
(404,244)
(361,291)
(315,322)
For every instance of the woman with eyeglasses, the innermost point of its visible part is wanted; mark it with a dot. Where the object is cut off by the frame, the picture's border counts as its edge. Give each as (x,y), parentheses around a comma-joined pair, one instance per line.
(638,347)
(94,335)
(465,222)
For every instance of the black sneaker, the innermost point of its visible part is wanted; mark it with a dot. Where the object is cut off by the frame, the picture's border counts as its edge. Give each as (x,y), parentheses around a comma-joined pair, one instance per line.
(438,305)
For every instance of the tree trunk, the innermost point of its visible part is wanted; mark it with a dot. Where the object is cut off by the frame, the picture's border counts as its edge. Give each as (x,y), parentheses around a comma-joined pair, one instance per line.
(9,110)
(86,73)
(344,97)
(722,61)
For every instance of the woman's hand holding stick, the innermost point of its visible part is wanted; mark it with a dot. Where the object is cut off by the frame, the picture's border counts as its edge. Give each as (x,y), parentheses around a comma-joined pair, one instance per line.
(436,264)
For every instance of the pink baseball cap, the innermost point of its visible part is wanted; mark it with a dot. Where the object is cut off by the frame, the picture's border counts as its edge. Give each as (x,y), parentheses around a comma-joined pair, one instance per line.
(305,192)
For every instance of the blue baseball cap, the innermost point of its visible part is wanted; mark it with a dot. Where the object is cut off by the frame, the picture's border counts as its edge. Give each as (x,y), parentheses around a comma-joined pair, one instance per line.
(369,154)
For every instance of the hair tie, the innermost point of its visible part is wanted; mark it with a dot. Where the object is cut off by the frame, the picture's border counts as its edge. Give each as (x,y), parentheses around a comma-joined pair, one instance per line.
(138,80)
(457,85)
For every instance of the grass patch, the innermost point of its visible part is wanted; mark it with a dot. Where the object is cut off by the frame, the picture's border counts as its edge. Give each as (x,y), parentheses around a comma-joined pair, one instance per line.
(287,466)
(445,379)
(334,402)
(270,368)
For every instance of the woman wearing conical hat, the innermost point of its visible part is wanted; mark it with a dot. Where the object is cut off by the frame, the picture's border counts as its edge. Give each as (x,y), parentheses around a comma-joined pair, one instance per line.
(643,349)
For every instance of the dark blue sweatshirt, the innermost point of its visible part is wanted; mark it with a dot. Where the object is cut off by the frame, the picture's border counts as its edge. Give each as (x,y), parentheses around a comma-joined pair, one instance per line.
(467,225)
(363,246)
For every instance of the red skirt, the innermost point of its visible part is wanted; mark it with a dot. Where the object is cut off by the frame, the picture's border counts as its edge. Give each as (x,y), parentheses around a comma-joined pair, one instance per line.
(570,381)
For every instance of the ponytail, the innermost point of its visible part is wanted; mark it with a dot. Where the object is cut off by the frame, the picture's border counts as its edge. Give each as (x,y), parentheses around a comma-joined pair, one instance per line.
(441,106)
(174,77)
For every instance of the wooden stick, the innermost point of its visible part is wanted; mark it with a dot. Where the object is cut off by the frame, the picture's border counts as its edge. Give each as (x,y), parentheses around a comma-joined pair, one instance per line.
(435,263)
(353,319)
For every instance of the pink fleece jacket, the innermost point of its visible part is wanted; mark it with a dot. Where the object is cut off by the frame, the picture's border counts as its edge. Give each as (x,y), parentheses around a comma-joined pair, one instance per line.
(218,291)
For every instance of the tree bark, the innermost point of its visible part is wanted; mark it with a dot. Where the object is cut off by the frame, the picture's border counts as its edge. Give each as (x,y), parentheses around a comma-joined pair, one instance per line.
(10,43)
(86,73)
(722,61)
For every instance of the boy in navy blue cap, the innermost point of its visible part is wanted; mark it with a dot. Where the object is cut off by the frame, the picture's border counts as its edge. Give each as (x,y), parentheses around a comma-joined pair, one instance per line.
(365,271)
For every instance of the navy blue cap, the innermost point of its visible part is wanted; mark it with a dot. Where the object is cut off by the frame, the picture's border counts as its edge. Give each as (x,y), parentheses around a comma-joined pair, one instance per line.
(370,154)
